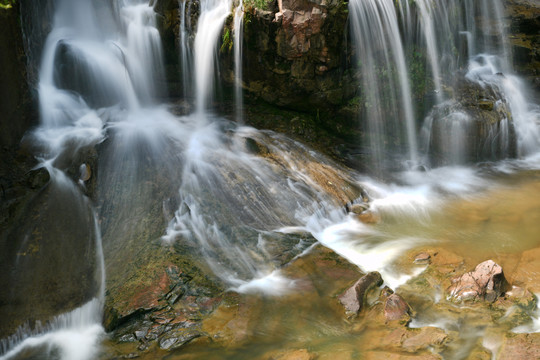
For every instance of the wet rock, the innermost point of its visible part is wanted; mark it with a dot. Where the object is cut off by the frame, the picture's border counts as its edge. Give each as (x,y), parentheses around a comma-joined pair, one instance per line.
(422,258)
(381,355)
(481,112)
(486,282)
(175,339)
(524,18)
(354,298)
(369,217)
(301,354)
(520,346)
(522,297)
(426,337)
(85,172)
(528,270)
(405,340)
(396,308)
(358,208)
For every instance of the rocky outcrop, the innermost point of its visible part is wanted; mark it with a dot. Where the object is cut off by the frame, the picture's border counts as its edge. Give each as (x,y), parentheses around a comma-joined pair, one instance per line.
(294,55)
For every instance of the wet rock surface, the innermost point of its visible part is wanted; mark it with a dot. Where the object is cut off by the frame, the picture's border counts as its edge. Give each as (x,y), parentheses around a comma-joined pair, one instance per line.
(520,346)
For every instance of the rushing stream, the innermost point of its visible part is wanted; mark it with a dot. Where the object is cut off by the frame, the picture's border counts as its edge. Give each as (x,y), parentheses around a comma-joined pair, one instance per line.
(232,191)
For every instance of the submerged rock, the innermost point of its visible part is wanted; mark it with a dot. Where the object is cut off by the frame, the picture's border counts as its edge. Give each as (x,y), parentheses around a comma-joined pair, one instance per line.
(422,258)
(486,282)
(301,354)
(354,298)
(520,346)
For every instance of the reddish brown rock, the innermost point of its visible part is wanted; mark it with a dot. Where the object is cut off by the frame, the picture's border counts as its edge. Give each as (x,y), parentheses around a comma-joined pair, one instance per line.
(353,299)
(422,258)
(486,282)
(395,308)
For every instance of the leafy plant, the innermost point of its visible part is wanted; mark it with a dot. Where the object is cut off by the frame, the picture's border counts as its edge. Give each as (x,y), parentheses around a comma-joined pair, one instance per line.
(227,43)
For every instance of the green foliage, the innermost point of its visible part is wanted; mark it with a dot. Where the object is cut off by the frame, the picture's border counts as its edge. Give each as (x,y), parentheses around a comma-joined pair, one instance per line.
(227,43)
(6,4)
(258,4)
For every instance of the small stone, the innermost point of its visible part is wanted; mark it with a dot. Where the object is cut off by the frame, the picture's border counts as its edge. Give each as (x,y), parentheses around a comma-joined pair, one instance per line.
(422,258)
(85,172)
(396,308)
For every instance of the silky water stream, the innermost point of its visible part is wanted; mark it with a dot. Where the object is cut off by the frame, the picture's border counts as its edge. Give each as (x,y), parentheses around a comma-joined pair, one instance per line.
(238,191)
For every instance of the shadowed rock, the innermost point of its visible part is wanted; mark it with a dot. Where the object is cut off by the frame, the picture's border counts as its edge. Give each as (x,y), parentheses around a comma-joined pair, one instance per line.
(353,299)
(486,282)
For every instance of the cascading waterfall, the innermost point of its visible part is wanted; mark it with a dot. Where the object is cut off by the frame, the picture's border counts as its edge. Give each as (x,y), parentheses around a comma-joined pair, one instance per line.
(244,202)
(209,27)
(385,92)
(97,61)
(238,40)
(470,39)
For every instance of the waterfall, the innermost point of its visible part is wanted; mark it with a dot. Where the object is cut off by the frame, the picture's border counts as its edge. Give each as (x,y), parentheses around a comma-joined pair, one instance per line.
(238,40)
(98,61)
(465,47)
(209,27)
(385,91)
(186,53)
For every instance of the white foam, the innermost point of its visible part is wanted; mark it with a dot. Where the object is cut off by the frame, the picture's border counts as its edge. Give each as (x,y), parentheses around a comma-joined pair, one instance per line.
(270,284)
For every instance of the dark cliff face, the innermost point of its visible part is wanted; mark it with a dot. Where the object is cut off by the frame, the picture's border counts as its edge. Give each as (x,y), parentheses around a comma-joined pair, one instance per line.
(524,18)
(45,230)
(14,92)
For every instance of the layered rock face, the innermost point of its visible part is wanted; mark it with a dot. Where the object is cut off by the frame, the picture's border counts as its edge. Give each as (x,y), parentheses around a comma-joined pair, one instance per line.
(524,17)
(295,57)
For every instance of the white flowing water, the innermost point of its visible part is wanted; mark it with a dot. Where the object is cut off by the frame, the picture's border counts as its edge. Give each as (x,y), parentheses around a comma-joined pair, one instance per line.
(238,44)
(185,45)
(385,92)
(94,57)
(209,27)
